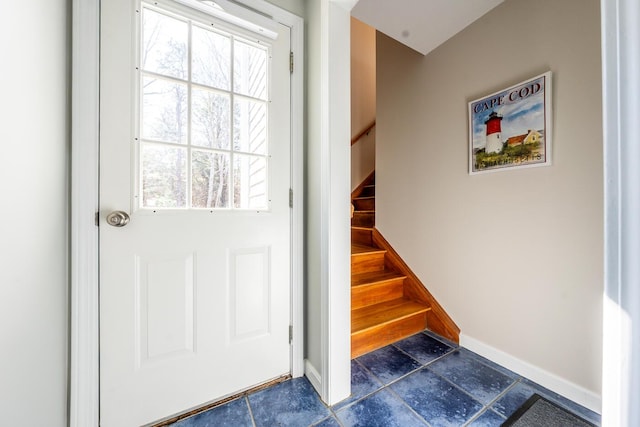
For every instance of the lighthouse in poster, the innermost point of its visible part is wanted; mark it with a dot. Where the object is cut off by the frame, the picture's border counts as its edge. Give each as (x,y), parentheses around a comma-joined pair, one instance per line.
(494,133)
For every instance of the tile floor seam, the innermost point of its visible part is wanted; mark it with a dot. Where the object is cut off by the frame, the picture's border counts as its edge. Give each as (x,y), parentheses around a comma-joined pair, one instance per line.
(443,340)
(455,385)
(501,395)
(338,420)
(364,396)
(404,402)
(334,414)
(489,406)
(515,380)
(396,379)
(486,362)
(426,366)
(479,415)
(451,349)
(402,351)
(322,420)
(404,375)
(253,420)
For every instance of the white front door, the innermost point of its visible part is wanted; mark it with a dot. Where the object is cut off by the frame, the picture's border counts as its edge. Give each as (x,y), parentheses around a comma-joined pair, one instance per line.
(195,149)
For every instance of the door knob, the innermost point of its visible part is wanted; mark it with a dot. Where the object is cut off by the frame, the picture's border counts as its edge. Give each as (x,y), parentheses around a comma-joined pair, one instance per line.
(118,218)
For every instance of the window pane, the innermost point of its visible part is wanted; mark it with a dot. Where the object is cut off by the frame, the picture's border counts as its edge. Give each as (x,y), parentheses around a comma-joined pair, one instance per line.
(250,126)
(163,176)
(211,58)
(249,70)
(210,119)
(210,180)
(250,183)
(164,46)
(164,110)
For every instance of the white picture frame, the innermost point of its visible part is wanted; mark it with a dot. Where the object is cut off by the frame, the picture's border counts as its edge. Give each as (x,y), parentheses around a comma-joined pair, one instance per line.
(511,128)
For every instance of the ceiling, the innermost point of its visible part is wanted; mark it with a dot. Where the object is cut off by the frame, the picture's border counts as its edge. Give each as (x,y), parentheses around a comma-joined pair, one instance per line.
(422,25)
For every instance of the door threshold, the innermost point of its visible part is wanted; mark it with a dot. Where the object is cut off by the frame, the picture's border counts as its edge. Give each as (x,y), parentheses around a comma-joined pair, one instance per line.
(206,407)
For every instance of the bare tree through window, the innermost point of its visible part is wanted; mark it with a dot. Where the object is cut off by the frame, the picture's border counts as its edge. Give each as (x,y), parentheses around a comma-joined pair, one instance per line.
(204,116)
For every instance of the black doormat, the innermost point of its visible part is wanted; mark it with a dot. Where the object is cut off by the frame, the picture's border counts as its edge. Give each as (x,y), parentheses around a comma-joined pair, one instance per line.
(539,412)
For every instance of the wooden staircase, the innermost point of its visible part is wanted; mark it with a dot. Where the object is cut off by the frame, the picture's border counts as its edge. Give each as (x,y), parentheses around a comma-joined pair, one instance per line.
(388,302)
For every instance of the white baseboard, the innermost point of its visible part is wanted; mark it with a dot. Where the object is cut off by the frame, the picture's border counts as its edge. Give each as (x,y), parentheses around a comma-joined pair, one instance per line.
(546,379)
(313,376)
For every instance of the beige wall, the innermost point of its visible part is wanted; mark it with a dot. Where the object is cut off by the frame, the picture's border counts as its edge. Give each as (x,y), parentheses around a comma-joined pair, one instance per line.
(363,76)
(363,100)
(34,226)
(515,257)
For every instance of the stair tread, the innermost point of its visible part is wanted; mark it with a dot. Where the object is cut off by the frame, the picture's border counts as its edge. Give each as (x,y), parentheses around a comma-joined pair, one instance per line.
(364,198)
(374,277)
(359,227)
(364,212)
(358,249)
(384,312)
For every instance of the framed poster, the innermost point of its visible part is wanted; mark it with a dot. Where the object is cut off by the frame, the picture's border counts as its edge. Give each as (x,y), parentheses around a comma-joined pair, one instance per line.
(511,128)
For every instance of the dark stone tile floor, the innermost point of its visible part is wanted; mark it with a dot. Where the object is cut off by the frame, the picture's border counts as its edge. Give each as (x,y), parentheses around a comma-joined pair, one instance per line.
(423,380)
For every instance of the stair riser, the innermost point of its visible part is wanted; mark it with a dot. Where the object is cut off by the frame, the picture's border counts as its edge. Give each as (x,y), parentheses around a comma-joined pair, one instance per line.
(364,295)
(365,204)
(367,263)
(361,236)
(368,191)
(380,336)
(363,219)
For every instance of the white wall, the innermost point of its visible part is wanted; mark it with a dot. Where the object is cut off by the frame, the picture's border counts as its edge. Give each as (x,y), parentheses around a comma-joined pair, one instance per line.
(297,7)
(621,105)
(515,257)
(34,226)
(363,99)
(313,289)
(327,198)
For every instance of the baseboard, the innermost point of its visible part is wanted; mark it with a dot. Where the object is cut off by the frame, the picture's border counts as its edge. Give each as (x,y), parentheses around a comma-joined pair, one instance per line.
(313,376)
(546,379)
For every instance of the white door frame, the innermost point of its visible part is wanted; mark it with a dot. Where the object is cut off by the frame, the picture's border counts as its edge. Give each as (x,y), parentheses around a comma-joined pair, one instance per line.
(335,223)
(621,299)
(84,399)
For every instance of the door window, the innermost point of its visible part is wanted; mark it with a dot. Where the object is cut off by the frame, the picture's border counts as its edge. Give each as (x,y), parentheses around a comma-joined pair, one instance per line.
(204,108)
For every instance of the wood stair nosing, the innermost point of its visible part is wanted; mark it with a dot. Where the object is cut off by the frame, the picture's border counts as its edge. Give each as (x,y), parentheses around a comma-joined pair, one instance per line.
(363,220)
(366,258)
(375,287)
(370,278)
(383,335)
(365,318)
(378,325)
(375,293)
(364,203)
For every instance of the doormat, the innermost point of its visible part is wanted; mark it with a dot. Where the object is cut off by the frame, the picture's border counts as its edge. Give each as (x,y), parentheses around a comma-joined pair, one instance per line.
(539,412)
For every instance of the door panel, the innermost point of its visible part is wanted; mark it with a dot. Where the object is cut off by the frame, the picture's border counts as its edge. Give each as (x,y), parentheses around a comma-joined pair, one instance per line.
(197,285)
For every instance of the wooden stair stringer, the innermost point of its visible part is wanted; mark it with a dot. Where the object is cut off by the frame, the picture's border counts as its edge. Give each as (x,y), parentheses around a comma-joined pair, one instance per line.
(438,320)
